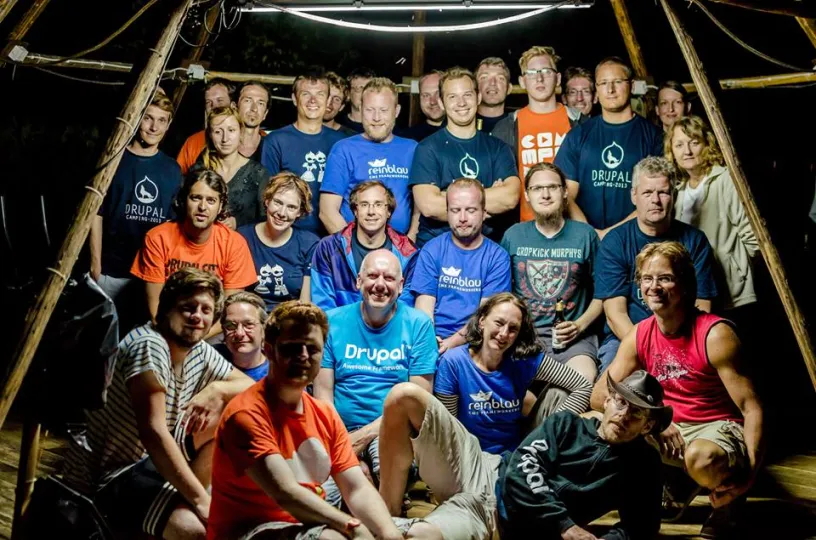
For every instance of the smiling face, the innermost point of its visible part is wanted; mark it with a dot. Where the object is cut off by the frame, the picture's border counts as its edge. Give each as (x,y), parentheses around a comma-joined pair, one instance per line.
(461,100)
(580,94)
(371,213)
(380,110)
(541,86)
(614,88)
(154,126)
(190,320)
(546,195)
(429,100)
(294,359)
(335,104)
(253,105)
(670,107)
(653,200)
(203,206)
(380,280)
(493,84)
(310,99)
(500,327)
(243,330)
(658,286)
(623,422)
(225,133)
(687,152)
(282,209)
(465,212)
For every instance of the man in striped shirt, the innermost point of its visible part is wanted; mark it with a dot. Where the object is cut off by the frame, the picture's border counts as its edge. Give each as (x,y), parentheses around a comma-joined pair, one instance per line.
(146,457)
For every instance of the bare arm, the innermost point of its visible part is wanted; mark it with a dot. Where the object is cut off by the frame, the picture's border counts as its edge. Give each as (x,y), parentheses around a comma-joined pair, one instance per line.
(330,212)
(573,211)
(431,201)
(324,385)
(153,292)
(306,289)
(205,408)
(703,305)
(624,364)
(95,245)
(503,196)
(365,503)
(426,304)
(618,316)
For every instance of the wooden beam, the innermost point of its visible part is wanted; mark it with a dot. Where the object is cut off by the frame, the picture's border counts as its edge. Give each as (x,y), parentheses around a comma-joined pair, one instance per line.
(793,8)
(417,67)
(809,26)
(210,18)
(5,7)
(766,246)
(130,116)
(26,475)
(767,81)
(244,77)
(632,48)
(33,13)
(36,59)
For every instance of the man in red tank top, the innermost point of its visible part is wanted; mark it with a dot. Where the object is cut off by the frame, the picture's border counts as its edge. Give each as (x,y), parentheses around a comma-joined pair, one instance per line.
(717,433)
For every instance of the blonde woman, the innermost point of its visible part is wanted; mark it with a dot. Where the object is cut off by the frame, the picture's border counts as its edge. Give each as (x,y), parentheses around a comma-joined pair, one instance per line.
(708,200)
(244,177)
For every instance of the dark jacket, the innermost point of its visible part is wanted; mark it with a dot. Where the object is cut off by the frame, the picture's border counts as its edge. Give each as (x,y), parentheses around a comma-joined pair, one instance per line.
(507,128)
(564,474)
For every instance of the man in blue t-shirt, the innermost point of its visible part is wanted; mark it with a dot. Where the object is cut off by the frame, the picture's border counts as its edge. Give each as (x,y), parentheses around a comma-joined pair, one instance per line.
(139,198)
(615,283)
(460,269)
(373,345)
(597,156)
(461,151)
(377,154)
(242,322)
(554,259)
(303,147)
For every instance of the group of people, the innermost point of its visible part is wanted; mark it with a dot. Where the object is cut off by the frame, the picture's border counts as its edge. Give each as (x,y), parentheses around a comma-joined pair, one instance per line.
(316,316)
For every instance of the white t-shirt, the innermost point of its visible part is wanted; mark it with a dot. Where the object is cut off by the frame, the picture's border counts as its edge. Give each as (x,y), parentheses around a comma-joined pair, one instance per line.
(692,201)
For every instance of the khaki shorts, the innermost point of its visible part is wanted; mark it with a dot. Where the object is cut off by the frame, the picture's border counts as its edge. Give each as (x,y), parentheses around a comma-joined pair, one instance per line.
(280,530)
(726,434)
(460,475)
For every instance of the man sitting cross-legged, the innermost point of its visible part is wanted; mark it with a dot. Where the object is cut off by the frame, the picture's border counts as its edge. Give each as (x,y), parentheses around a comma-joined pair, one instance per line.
(276,446)
(566,473)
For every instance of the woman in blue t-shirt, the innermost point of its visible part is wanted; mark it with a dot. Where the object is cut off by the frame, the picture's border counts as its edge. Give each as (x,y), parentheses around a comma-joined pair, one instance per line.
(282,254)
(484,383)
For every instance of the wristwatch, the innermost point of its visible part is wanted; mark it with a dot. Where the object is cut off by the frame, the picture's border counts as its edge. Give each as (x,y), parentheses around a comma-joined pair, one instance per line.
(352,524)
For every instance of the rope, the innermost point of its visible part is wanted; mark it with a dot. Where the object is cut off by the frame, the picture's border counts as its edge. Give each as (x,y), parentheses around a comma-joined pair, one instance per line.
(57,272)
(740,42)
(94,190)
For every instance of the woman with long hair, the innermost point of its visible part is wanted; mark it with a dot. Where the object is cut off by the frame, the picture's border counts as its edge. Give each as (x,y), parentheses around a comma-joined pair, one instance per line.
(708,200)
(484,382)
(244,177)
(281,252)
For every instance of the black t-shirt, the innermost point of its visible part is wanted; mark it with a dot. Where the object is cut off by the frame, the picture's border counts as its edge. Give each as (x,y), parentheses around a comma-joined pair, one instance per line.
(357,127)
(487,123)
(359,251)
(419,131)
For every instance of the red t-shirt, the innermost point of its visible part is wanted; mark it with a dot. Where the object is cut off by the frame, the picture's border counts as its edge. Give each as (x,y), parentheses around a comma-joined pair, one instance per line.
(539,138)
(691,385)
(166,249)
(254,425)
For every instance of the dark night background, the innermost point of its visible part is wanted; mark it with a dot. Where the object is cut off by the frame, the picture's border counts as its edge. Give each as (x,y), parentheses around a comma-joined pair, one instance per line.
(52,129)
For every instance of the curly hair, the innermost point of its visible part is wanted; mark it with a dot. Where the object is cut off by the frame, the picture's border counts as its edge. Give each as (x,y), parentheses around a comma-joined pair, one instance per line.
(185,283)
(213,181)
(696,129)
(526,344)
(297,311)
(287,180)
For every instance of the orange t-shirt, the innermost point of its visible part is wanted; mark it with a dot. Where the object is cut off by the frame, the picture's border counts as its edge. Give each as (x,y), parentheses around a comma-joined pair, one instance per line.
(166,249)
(539,138)
(254,425)
(192,148)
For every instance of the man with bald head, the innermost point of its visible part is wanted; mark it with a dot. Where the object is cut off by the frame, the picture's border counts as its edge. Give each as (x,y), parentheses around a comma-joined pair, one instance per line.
(373,345)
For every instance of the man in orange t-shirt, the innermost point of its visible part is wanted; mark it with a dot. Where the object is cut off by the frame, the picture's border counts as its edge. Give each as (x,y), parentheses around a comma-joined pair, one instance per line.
(217,93)
(535,132)
(196,239)
(276,445)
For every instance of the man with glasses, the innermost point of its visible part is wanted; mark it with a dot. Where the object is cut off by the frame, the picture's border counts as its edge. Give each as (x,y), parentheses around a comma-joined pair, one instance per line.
(579,90)
(535,133)
(552,259)
(357,81)
(597,157)
(242,323)
(493,77)
(717,434)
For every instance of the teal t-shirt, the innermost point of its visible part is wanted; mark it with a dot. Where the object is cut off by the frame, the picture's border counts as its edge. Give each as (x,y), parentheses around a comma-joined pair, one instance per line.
(546,269)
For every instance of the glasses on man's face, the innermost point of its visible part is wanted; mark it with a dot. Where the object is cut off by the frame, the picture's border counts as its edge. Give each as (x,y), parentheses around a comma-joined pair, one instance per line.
(544,72)
(623,406)
(613,82)
(535,190)
(575,92)
(663,280)
(232,326)
(365,205)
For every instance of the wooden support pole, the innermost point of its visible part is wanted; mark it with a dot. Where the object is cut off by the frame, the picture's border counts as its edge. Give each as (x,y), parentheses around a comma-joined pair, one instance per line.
(5,7)
(28,20)
(40,312)
(417,67)
(632,48)
(767,81)
(36,59)
(793,8)
(809,26)
(766,246)
(207,24)
(26,475)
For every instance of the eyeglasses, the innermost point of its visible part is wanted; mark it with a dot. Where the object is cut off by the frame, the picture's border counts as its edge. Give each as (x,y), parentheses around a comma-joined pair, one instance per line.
(535,190)
(232,326)
(544,72)
(365,205)
(615,82)
(574,92)
(622,405)
(663,280)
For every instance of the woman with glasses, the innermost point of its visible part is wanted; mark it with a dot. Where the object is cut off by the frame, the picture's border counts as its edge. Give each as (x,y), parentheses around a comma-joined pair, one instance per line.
(484,383)
(282,253)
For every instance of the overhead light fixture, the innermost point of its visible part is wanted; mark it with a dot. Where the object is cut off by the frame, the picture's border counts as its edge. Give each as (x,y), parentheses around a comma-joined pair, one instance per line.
(405,7)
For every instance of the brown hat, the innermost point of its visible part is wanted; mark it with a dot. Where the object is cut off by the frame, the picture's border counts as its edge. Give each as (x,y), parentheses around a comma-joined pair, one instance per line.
(644,391)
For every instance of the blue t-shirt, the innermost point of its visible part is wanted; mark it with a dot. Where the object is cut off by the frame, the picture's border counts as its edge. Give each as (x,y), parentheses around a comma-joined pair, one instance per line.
(459,279)
(489,403)
(546,269)
(287,149)
(256,374)
(368,362)
(442,158)
(139,198)
(600,156)
(280,270)
(615,271)
(358,159)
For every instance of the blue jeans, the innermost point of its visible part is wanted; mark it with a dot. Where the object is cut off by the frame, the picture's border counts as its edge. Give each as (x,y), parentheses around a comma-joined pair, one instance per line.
(607,352)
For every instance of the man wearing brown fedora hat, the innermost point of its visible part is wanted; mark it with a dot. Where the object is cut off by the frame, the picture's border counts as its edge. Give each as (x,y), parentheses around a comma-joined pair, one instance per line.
(572,470)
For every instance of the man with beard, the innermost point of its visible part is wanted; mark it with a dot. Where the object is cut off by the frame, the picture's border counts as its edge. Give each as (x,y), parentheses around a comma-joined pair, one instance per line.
(461,151)
(598,156)
(148,453)
(242,323)
(338,97)
(717,434)
(195,239)
(579,90)
(338,257)
(139,198)
(615,279)
(217,93)
(493,77)
(553,259)
(276,446)
(536,131)
(253,104)
(357,81)
(431,105)
(458,270)
(376,154)
(303,147)
(373,345)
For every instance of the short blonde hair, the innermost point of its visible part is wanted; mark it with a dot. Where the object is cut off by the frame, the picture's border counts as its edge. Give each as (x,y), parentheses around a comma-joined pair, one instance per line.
(494,61)
(681,264)
(288,180)
(378,84)
(337,81)
(297,311)
(465,183)
(538,50)
(694,128)
(454,73)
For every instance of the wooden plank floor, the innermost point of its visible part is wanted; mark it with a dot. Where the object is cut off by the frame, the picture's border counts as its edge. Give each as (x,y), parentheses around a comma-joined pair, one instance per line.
(783,505)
